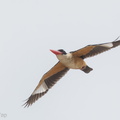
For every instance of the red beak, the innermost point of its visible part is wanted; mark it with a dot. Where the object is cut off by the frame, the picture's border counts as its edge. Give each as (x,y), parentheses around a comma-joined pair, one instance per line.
(56,52)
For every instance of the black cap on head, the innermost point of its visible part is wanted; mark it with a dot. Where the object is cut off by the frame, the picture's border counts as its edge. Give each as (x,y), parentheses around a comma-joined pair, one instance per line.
(61,50)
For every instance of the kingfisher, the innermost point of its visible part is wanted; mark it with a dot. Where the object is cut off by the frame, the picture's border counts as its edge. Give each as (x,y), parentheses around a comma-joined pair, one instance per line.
(67,61)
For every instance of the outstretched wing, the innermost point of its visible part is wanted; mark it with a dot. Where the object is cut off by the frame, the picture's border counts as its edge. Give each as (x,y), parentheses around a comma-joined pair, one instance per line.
(47,81)
(92,50)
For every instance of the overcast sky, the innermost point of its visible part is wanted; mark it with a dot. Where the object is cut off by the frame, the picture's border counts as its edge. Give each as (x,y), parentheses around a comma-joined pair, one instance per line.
(28,29)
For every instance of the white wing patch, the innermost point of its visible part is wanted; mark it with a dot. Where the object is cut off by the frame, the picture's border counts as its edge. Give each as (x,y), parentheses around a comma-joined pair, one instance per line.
(109,45)
(41,89)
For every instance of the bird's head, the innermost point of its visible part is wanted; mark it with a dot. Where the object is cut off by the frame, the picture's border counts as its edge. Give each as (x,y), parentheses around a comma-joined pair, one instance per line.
(59,52)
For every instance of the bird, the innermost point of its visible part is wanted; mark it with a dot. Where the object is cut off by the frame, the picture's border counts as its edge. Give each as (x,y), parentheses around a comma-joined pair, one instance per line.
(67,61)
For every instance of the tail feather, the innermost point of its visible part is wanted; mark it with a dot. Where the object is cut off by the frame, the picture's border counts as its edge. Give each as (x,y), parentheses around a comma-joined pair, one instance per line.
(87,69)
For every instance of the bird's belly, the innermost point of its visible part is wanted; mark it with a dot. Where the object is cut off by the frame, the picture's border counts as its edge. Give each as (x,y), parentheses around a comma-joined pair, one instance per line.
(70,64)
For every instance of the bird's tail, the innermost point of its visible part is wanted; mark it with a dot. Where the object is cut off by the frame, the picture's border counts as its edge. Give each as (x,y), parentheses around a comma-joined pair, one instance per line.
(87,69)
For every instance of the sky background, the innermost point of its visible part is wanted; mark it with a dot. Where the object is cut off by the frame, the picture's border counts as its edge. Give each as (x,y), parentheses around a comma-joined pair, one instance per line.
(28,29)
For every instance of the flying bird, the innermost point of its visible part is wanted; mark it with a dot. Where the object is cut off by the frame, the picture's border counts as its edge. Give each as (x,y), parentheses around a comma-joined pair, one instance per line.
(67,61)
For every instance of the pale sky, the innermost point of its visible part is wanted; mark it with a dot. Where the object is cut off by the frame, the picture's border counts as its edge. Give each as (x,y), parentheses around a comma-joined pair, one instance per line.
(29,28)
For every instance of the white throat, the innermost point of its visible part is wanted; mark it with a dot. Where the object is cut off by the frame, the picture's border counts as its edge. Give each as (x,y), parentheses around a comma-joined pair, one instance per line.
(67,59)
(67,56)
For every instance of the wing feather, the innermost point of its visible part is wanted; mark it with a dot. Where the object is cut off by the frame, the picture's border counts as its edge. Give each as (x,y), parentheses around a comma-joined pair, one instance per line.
(47,81)
(92,50)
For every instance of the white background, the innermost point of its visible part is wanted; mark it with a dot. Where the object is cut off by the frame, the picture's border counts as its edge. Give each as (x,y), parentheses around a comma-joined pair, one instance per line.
(28,29)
